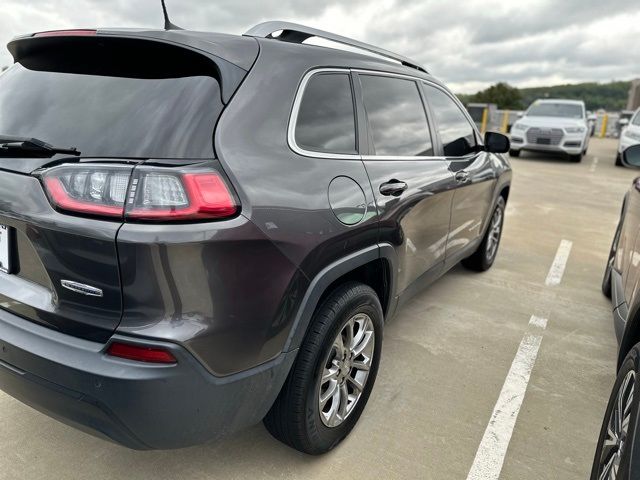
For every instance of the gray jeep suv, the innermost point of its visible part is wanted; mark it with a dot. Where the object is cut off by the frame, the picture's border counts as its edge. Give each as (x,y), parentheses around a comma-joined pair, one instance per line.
(201,231)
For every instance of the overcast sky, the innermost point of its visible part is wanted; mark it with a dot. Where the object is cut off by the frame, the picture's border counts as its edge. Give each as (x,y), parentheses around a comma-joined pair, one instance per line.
(469,44)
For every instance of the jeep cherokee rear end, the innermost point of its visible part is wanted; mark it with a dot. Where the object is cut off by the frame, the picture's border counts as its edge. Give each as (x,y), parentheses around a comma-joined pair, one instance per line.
(239,217)
(131,281)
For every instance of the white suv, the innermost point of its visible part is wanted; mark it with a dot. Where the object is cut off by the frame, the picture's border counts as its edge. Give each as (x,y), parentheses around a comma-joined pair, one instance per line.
(629,136)
(558,126)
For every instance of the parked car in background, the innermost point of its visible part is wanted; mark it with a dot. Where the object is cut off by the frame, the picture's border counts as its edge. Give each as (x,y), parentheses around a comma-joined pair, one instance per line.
(629,136)
(184,253)
(622,121)
(618,449)
(552,126)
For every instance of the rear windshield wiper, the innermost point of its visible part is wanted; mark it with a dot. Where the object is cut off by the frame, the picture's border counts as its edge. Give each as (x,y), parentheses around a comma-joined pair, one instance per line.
(22,146)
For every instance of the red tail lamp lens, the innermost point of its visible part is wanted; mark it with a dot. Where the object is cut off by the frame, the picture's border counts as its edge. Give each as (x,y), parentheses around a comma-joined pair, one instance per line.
(190,196)
(140,353)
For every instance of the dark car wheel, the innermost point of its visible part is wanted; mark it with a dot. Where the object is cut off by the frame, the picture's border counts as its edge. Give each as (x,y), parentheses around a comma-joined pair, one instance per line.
(606,281)
(332,377)
(483,258)
(613,453)
(575,158)
(514,153)
(619,160)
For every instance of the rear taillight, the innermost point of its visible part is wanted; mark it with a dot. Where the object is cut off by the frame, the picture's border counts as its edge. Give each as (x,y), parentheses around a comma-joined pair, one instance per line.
(188,196)
(147,194)
(140,353)
(92,189)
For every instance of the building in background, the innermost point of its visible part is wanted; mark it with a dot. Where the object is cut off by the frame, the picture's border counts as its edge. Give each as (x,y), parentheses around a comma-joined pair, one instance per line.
(634,95)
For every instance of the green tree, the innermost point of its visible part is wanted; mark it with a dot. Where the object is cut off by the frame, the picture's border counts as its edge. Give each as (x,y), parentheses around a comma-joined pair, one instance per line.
(502,94)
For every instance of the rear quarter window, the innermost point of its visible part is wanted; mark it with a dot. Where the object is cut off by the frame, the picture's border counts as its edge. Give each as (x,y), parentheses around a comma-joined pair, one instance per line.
(326,117)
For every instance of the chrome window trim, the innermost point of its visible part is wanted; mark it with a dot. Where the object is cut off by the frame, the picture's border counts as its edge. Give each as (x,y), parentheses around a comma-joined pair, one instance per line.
(293,119)
(432,84)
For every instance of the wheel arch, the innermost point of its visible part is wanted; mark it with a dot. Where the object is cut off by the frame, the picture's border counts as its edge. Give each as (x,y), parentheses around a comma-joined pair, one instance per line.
(373,266)
(631,335)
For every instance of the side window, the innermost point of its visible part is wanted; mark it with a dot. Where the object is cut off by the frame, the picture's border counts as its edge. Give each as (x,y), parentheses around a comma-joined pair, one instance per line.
(326,119)
(397,119)
(636,120)
(456,133)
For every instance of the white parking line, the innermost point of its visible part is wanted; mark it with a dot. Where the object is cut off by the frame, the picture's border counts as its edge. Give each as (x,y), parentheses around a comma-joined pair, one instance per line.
(554,277)
(489,459)
(594,164)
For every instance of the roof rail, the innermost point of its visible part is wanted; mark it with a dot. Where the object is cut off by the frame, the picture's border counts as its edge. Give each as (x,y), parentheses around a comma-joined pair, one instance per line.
(295,33)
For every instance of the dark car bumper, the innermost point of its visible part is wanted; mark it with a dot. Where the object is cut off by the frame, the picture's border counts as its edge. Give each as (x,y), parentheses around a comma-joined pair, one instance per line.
(141,406)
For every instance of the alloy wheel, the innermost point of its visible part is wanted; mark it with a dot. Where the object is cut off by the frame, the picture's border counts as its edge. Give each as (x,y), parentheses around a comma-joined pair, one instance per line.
(495,229)
(346,370)
(617,429)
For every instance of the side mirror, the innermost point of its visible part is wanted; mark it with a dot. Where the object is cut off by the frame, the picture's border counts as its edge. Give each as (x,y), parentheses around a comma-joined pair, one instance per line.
(520,114)
(631,156)
(496,142)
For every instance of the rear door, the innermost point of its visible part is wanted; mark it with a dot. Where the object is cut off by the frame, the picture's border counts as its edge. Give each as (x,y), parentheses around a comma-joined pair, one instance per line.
(474,173)
(413,188)
(120,102)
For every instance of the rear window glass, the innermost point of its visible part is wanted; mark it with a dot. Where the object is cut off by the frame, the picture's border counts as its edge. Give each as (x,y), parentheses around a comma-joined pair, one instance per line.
(326,119)
(562,110)
(114,98)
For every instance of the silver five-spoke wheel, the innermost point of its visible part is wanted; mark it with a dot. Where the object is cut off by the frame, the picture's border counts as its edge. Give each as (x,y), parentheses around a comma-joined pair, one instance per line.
(495,229)
(617,429)
(346,369)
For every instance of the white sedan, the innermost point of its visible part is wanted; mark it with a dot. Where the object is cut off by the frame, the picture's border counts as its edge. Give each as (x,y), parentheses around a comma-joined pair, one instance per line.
(630,136)
(554,126)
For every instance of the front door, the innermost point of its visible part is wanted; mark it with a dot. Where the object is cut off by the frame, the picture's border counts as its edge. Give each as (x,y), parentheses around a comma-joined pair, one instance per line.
(473,171)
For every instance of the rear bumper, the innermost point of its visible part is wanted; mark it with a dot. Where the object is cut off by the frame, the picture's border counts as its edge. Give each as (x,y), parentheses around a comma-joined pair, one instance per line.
(141,406)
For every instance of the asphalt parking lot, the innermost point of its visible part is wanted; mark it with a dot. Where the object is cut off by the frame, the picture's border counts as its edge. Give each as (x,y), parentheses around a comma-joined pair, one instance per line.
(445,360)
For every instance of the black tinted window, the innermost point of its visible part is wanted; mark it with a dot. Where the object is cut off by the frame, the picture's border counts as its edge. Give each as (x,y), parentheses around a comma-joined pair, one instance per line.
(396,115)
(114,99)
(456,133)
(326,120)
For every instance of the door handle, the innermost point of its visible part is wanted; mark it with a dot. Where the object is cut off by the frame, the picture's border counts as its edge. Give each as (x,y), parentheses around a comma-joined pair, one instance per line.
(462,176)
(393,188)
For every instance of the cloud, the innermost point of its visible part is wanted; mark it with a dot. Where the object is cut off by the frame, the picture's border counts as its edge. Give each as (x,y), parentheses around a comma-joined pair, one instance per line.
(469,44)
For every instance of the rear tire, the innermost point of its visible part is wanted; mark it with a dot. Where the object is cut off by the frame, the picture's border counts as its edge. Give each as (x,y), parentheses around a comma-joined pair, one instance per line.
(514,153)
(575,158)
(313,413)
(619,435)
(483,258)
(619,160)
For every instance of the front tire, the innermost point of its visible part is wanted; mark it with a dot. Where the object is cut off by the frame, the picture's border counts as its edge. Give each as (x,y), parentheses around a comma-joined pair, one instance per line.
(483,258)
(619,160)
(575,158)
(334,372)
(614,448)
(514,153)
